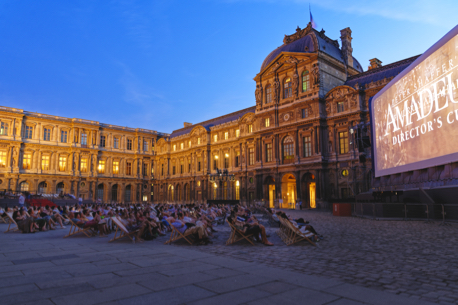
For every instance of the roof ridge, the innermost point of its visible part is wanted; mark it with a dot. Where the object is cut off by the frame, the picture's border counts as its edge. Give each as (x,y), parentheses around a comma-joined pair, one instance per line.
(376,70)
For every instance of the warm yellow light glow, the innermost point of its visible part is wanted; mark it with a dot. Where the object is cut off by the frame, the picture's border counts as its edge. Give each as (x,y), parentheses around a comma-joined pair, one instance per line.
(216,157)
(237,183)
(215,185)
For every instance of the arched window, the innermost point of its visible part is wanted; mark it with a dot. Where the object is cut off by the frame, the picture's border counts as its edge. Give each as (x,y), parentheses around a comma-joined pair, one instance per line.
(114,193)
(305,81)
(42,188)
(268,94)
(60,188)
(288,150)
(127,194)
(24,186)
(288,90)
(100,191)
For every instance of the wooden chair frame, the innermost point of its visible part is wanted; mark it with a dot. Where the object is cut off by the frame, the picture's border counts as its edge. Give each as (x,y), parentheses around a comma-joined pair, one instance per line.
(123,232)
(75,229)
(12,225)
(237,235)
(177,235)
(291,234)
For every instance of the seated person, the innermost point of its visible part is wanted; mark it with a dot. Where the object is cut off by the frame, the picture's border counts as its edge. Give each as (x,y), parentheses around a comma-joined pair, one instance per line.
(248,229)
(24,223)
(181,226)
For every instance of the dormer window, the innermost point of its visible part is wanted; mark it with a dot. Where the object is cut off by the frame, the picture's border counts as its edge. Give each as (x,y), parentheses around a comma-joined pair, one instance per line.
(268,94)
(305,81)
(340,107)
(288,90)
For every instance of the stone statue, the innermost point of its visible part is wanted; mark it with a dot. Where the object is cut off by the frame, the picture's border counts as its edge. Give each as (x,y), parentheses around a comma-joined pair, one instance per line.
(258,93)
(14,157)
(316,76)
(328,107)
(295,84)
(276,90)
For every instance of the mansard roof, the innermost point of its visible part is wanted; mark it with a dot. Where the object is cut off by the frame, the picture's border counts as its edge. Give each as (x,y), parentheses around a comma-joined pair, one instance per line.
(380,73)
(310,42)
(213,122)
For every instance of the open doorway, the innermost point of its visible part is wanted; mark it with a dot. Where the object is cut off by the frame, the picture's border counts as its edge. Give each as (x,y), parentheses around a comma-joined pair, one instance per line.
(288,192)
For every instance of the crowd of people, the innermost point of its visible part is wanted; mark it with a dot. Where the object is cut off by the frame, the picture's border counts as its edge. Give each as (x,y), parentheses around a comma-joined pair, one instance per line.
(146,221)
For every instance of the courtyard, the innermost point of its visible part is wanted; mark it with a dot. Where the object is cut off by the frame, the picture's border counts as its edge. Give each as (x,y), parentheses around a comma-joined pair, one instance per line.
(360,261)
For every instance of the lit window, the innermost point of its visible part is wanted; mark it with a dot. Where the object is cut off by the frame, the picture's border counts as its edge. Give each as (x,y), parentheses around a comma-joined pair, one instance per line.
(63,136)
(24,186)
(237,133)
(340,107)
(305,113)
(305,81)
(215,138)
(268,94)
(189,144)
(237,190)
(250,128)
(198,141)
(101,167)
(47,134)
(174,147)
(26,161)
(288,90)
(129,144)
(115,167)
(251,156)
(102,141)
(267,122)
(145,145)
(4,129)
(343,142)
(269,152)
(307,143)
(28,132)
(83,165)
(288,149)
(182,146)
(2,158)
(84,139)
(45,163)
(226,135)
(62,163)
(115,142)
(226,161)
(128,168)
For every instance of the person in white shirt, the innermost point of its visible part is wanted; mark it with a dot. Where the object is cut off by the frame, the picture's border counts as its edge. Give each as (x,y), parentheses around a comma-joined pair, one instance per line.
(21,201)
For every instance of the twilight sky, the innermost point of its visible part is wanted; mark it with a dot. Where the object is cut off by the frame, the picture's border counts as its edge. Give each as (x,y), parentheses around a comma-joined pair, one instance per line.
(156,64)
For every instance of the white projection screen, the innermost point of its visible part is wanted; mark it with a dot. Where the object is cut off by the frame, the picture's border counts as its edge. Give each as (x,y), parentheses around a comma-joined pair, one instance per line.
(414,119)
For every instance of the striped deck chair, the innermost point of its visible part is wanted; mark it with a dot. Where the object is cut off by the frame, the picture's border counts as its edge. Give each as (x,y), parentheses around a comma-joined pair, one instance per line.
(123,232)
(237,235)
(295,235)
(75,229)
(12,225)
(176,235)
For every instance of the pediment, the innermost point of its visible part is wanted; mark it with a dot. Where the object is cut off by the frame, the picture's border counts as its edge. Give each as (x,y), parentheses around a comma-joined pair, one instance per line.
(286,60)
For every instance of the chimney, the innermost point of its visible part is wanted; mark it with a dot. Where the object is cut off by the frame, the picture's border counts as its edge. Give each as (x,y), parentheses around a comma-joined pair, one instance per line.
(375,63)
(187,124)
(347,50)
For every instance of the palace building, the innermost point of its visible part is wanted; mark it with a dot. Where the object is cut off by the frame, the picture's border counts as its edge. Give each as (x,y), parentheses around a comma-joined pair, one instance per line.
(306,138)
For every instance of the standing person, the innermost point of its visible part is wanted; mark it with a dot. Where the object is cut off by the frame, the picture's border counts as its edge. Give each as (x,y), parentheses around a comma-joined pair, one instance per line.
(21,201)
(300,204)
(80,200)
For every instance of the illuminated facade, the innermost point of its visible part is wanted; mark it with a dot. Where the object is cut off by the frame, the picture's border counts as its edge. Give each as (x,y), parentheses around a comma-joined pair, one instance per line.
(304,139)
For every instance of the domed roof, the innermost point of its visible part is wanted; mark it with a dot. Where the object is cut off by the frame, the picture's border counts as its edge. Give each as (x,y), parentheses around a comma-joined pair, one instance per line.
(306,45)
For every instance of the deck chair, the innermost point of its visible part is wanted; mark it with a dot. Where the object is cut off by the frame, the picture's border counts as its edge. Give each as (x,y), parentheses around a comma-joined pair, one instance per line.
(12,225)
(75,229)
(295,235)
(123,232)
(176,235)
(237,235)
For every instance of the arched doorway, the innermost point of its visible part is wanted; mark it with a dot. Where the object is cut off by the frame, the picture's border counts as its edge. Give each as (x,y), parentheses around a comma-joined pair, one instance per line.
(187,192)
(128,193)
(24,186)
(60,188)
(269,189)
(114,193)
(100,191)
(42,187)
(308,191)
(171,194)
(178,190)
(288,191)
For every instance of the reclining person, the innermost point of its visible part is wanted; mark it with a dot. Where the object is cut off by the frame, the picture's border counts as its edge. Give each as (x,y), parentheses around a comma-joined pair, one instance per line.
(181,226)
(24,223)
(249,228)
(303,226)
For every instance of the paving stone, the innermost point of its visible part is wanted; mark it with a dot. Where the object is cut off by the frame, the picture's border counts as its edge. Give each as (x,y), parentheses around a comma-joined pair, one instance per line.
(223,272)
(234,283)
(276,287)
(170,282)
(17,289)
(297,296)
(235,297)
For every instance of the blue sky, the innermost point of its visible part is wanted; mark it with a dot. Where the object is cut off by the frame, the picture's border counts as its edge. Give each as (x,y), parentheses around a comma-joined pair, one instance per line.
(156,64)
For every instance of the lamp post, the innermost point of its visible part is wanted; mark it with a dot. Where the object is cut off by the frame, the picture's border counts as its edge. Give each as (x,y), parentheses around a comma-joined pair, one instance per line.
(221,175)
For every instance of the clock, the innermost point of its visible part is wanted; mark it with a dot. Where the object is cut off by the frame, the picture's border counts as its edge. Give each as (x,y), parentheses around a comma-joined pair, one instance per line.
(286,117)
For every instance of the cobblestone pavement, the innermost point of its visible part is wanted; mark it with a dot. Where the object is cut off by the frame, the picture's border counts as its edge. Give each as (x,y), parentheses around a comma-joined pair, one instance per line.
(413,259)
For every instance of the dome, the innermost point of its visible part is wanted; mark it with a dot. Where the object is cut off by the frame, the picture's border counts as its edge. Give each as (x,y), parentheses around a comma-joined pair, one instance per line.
(306,45)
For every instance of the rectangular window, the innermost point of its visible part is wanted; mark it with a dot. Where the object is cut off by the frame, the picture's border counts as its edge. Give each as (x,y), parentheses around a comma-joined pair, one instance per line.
(236,161)
(189,166)
(340,107)
(237,190)
(47,134)
(199,164)
(198,141)
(3,158)
(181,167)
(45,163)
(63,136)
(268,94)
(128,169)
(174,147)
(226,162)
(26,161)
(215,138)
(237,133)
(343,142)
(28,132)
(62,163)
(267,122)
(162,169)
(182,146)
(189,144)
(84,139)
(269,152)
(145,169)
(173,170)
(250,128)
(129,144)
(115,167)
(226,135)
(215,164)
(115,142)
(145,145)
(305,113)
(102,141)
(83,165)
(4,129)
(307,144)
(101,167)
(251,156)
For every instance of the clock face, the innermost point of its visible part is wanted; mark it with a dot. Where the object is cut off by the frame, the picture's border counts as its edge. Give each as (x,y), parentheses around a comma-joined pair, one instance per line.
(286,117)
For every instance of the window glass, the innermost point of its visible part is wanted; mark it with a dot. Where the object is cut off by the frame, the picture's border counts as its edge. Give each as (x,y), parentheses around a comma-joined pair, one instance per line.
(145,145)
(26,161)
(115,142)
(343,142)
(251,156)
(115,167)
(226,135)
(307,143)
(84,139)
(237,133)
(83,165)
(101,167)
(47,134)
(288,90)
(102,141)
(45,163)
(268,94)
(215,138)
(28,132)
(267,122)
(269,152)
(2,158)
(340,107)
(305,81)
(62,163)
(63,136)
(129,144)
(128,168)
(4,129)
